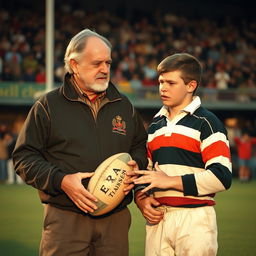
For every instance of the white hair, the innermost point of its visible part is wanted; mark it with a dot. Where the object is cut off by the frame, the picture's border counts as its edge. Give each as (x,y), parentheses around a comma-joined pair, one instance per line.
(77,45)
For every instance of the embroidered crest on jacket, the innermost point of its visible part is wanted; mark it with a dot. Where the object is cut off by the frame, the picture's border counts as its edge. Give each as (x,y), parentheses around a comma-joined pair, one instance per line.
(119,125)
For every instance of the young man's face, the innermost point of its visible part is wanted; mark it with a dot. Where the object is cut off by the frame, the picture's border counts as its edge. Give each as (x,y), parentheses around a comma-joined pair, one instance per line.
(92,71)
(173,90)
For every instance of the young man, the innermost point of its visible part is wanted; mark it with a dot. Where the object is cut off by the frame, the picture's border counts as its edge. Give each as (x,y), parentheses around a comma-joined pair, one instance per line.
(189,150)
(67,134)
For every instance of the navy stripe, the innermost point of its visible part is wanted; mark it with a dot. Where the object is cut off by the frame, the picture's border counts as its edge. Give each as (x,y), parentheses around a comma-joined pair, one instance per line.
(157,124)
(189,185)
(173,155)
(204,121)
(222,173)
(191,122)
(192,205)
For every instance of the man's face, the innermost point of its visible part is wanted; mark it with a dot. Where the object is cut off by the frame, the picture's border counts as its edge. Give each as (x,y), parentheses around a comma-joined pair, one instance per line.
(92,71)
(173,90)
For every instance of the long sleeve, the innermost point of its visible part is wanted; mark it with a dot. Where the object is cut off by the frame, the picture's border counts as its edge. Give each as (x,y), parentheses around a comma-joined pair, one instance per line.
(215,152)
(29,159)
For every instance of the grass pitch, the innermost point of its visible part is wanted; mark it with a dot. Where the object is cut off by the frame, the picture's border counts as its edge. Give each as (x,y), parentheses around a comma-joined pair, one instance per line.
(21,221)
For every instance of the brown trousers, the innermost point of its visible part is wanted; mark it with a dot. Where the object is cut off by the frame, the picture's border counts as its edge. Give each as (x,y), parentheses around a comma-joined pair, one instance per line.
(67,233)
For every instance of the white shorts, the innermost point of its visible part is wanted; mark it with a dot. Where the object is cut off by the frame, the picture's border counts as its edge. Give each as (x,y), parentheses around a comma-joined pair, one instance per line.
(183,232)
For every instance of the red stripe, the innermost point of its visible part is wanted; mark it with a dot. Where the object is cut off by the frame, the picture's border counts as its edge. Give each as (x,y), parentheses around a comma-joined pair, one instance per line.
(182,201)
(175,140)
(149,154)
(216,149)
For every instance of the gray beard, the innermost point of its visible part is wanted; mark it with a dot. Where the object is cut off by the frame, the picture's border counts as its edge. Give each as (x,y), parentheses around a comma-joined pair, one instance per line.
(98,87)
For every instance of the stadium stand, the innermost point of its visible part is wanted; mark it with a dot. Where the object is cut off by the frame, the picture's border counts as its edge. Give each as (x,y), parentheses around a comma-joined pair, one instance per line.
(225,45)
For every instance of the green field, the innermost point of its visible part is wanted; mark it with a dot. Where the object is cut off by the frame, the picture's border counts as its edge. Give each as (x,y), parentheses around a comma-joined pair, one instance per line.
(21,221)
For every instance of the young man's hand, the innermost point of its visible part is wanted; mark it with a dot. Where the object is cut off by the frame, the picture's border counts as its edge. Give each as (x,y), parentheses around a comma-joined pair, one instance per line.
(147,206)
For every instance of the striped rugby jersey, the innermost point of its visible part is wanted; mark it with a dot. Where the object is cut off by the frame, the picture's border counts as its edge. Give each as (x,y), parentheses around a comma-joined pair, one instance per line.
(193,145)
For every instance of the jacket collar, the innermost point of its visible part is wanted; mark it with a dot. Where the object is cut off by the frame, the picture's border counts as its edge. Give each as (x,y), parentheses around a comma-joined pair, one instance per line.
(70,92)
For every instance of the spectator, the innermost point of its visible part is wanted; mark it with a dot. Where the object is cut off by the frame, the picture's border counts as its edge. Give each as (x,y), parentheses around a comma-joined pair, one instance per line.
(13,57)
(30,63)
(244,149)
(3,161)
(135,82)
(3,154)
(222,78)
(29,75)
(41,76)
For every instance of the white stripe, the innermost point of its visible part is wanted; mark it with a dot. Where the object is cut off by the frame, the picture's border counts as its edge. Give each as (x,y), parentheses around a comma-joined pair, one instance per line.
(169,193)
(187,131)
(179,170)
(220,160)
(208,183)
(218,136)
(179,129)
(159,132)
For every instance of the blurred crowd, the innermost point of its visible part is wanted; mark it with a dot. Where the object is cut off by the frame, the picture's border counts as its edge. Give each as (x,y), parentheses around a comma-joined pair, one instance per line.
(226,46)
(8,137)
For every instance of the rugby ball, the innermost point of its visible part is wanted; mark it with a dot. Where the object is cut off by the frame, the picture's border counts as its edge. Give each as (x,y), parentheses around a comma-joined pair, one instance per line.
(107,183)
